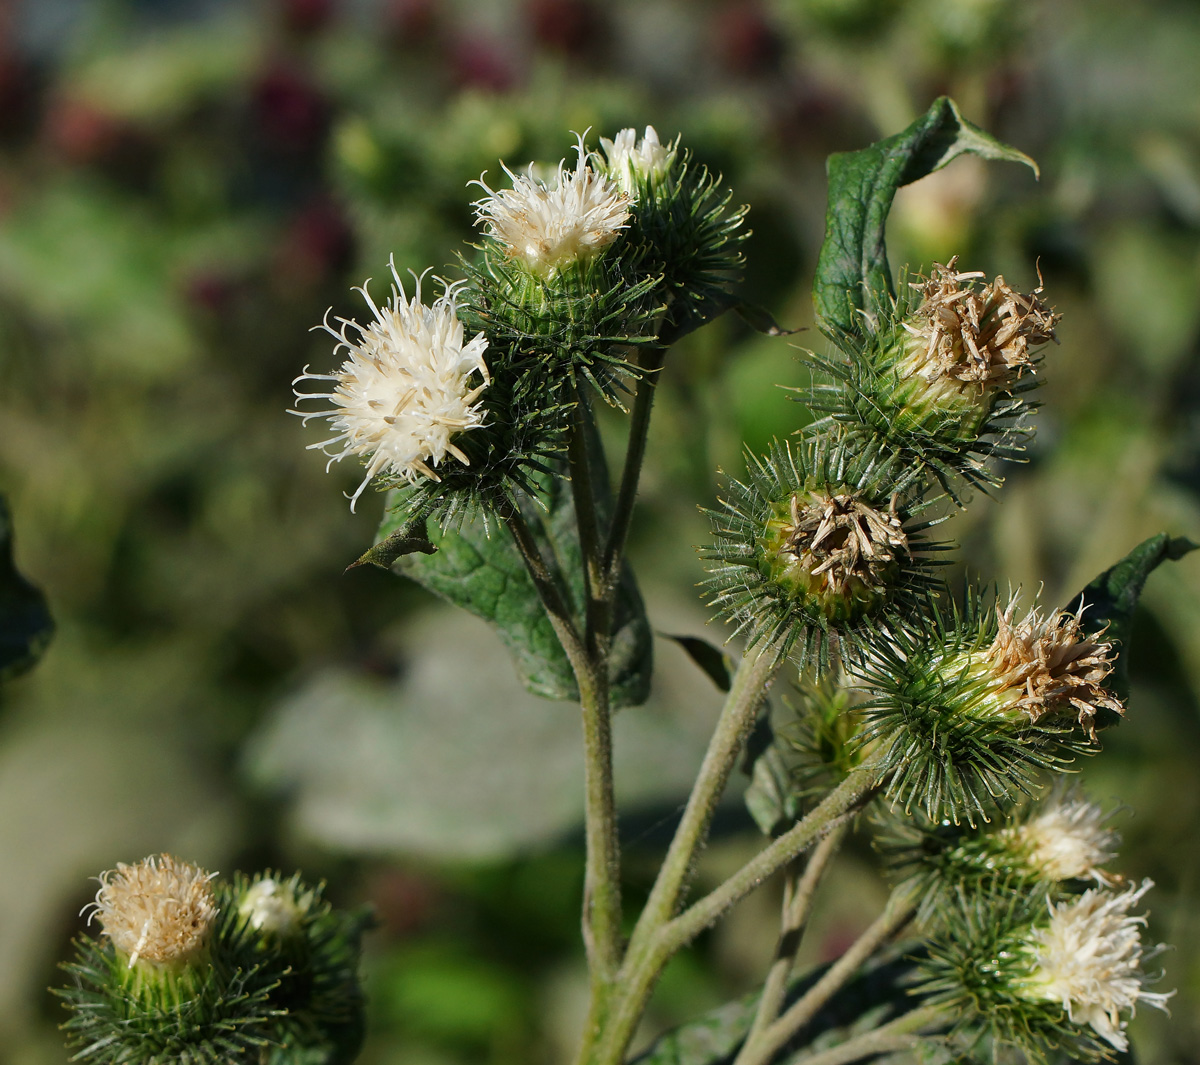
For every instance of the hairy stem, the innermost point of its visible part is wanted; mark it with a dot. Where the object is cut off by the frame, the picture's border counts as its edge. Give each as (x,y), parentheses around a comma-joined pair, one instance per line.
(761,1049)
(642,967)
(904,1033)
(742,704)
(797,905)
(602,883)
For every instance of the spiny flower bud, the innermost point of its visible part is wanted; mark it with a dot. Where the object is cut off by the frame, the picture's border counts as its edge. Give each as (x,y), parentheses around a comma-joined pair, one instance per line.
(409,386)
(634,164)
(1087,958)
(549,227)
(160,910)
(274,907)
(835,549)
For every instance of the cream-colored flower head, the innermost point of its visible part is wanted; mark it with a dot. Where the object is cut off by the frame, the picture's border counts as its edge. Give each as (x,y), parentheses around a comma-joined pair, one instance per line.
(632,163)
(550,226)
(1067,839)
(1088,958)
(966,339)
(410,384)
(1046,664)
(160,910)
(273,907)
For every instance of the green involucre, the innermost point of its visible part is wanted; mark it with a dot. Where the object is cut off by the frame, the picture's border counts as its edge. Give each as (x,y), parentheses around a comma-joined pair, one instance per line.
(955,745)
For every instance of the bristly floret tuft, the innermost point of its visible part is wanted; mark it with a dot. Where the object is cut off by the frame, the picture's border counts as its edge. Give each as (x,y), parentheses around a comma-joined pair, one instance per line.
(1088,958)
(549,226)
(813,545)
(411,385)
(942,377)
(634,165)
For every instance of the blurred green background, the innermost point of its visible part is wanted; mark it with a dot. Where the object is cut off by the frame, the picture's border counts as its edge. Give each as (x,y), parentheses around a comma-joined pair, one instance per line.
(186,185)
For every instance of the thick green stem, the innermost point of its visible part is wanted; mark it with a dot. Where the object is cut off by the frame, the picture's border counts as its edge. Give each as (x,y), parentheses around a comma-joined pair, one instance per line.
(642,967)
(797,905)
(761,1048)
(904,1033)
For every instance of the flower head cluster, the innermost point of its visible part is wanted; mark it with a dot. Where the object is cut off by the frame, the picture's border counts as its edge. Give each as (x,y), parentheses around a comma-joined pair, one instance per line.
(964,337)
(1045,664)
(548,227)
(632,164)
(1088,957)
(410,384)
(160,909)
(1067,839)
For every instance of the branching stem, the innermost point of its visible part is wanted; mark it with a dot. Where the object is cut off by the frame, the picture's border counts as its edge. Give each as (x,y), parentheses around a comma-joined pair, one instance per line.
(797,905)
(904,1033)
(761,1048)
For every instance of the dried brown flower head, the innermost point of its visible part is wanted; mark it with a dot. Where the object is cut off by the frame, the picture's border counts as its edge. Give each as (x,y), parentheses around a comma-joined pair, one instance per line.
(836,549)
(969,336)
(160,910)
(1043,665)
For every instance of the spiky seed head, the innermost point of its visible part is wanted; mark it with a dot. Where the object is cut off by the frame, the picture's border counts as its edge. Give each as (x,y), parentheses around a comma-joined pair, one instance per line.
(1088,958)
(634,164)
(967,340)
(158,911)
(1065,839)
(410,385)
(834,549)
(549,226)
(1045,664)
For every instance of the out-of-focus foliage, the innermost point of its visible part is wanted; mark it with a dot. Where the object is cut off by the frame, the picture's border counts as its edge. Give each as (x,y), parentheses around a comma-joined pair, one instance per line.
(186,186)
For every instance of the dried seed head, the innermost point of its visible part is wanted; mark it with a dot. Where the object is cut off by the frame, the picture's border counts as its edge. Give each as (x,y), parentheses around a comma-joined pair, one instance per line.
(835,549)
(966,340)
(160,910)
(1046,665)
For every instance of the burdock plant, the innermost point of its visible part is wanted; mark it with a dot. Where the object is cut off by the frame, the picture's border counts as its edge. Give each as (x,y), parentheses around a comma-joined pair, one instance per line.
(948,718)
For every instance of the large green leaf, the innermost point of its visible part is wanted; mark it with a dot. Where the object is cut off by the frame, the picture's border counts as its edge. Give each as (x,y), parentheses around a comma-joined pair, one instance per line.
(479,568)
(853,275)
(25,623)
(1110,600)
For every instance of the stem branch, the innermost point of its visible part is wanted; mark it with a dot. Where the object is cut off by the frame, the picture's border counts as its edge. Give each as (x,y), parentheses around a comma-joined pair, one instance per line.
(761,1049)
(904,1033)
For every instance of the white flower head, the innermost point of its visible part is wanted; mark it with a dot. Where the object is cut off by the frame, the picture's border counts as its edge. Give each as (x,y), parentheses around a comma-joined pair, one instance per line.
(160,909)
(548,226)
(409,385)
(631,162)
(273,907)
(1088,959)
(1067,839)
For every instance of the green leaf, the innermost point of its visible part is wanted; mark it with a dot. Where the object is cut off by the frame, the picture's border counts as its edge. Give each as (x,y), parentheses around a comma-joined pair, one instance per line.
(1111,599)
(853,275)
(712,660)
(25,622)
(771,797)
(479,568)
